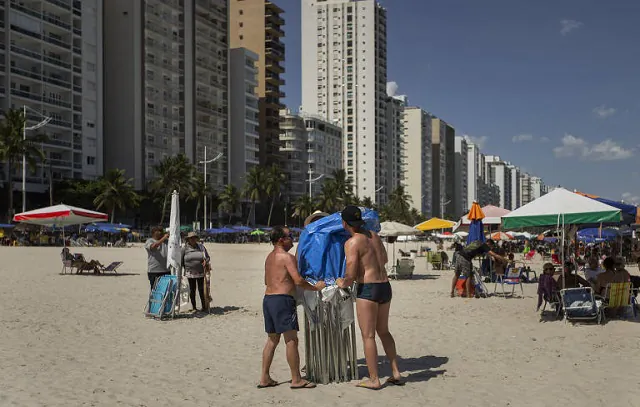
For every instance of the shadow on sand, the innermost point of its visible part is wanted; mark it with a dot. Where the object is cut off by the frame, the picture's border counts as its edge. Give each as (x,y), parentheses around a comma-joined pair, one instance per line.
(414,369)
(425,277)
(213,311)
(91,274)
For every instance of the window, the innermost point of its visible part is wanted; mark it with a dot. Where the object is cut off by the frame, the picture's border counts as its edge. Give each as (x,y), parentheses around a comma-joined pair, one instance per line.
(241,24)
(91,160)
(240,12)
(91,125)
(91,67)
(241,36)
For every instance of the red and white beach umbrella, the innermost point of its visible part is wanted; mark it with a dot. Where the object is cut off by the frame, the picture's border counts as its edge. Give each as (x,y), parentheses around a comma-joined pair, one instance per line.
(501,236)
(60,215)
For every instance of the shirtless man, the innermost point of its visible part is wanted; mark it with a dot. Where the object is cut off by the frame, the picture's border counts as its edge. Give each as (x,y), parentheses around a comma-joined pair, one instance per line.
(366,259)
(279,307)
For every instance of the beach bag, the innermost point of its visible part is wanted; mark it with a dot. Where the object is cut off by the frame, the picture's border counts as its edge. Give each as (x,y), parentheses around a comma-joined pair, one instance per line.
(461,288)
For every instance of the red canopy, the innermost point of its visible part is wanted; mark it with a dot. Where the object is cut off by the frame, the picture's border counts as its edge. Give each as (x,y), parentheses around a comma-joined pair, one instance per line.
(60,215)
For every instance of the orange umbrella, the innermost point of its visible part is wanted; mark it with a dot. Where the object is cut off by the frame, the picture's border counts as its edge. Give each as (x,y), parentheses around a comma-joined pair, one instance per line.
(475,213)
(501,236)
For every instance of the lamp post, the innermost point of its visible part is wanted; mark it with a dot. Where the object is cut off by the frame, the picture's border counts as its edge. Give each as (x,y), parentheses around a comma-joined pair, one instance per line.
(205,162)
(44,122)
(312,180)
(442,205)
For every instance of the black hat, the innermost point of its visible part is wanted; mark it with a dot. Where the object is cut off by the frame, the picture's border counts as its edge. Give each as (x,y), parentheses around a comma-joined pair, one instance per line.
(352,216)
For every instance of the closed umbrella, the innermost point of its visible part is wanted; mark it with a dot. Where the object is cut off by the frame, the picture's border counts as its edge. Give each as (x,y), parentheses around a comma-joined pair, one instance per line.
(174,258)
(476,228)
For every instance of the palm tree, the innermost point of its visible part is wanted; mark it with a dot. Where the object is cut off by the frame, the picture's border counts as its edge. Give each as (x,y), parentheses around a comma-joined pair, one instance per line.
(254,187)
(13,147)
(229,200)
(275,179)
(329,197)
(116,192)
(174,173)
(367,203)
(400,205)
(303,207)
(343,186)
(198,191)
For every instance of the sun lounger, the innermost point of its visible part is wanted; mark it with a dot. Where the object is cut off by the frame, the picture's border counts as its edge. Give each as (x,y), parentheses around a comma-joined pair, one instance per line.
(112,267)
(162,297)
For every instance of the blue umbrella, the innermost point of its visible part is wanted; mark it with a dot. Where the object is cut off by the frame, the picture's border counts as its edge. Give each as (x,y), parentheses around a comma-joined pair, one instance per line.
(476,228)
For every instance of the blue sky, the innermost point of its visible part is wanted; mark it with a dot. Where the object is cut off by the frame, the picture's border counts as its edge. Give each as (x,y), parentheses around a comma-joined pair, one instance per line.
(552,86)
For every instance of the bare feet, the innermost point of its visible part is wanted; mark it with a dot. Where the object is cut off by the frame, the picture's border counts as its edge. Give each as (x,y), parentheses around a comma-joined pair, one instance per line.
(370,384)
(302,384)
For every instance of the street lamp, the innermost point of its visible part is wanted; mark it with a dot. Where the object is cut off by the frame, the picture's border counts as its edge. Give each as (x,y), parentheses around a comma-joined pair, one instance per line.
(442,205)
(312,180)
(205,162)
(44,122)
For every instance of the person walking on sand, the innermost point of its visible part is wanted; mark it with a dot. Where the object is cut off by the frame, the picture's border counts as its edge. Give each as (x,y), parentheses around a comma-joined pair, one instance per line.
(366,259)
(281,278)
(157,253)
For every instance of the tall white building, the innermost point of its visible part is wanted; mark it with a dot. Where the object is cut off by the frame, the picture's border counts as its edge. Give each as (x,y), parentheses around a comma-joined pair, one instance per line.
(474,169)
(312,147)
(344,76)
(499,175)
(244,114)
(396,140)
(50,59)
(515,187)
(418,159)
(166,85)
(461,177)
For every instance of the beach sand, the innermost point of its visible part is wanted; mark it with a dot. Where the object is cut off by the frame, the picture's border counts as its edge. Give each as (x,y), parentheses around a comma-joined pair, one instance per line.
(73,340)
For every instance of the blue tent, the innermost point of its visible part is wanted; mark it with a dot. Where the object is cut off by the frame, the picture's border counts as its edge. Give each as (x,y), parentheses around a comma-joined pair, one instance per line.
(107,227)
(241,228)
(321,247)
(7,226)
(592,235)
(213,231)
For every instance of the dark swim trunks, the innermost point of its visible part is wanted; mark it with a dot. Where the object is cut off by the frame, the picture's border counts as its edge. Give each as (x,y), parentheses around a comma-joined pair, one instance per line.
(280,313)
(376,292)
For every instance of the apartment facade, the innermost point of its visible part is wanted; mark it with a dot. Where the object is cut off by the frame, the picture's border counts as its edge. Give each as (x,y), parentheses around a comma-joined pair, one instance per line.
(312,147)
(344,77)
(166,85)
(499,174)
(515,187)
(257,26)
(396,138)
(418,159)
(50,54)
(244,131)
(460,178)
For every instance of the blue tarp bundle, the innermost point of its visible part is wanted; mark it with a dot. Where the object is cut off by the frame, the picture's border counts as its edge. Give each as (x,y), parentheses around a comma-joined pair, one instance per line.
(321,247)
(476,232)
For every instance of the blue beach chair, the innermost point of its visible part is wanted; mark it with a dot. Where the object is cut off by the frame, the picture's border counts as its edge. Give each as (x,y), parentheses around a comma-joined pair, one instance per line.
(162,297)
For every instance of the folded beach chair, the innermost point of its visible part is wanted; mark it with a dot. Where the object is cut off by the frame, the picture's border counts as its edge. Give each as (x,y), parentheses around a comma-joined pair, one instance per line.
(481,289)
(404,269)
(512,277)
(162,297)
(579,304)
(620,295)
(436,261)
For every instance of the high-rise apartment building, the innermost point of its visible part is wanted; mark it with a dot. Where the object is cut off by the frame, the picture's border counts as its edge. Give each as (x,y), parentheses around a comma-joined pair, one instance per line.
(344,77)
(418,159)
(443,170)
(244,114)
(515,187)
(50,59)
(460,178)
(396,139)
(313,149)
(257,26)
(166,88)
(499,174)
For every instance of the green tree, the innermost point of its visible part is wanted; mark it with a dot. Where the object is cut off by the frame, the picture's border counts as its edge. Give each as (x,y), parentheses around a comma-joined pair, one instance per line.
(254,187)
(343,187)
(329,197)
(13,147)
(174,173)
(368,203)
(116,192)
(400,205)
(275,179)
(229,200)
(303,207)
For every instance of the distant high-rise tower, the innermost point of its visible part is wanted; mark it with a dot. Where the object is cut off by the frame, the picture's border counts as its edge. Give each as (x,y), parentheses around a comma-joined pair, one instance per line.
(344,78)
(418,159)
(166,85)
(257,26)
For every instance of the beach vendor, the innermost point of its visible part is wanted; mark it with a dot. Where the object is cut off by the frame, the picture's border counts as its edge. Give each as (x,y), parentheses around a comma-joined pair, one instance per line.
(279,307)
(195,260)
(157,253)
(464,267)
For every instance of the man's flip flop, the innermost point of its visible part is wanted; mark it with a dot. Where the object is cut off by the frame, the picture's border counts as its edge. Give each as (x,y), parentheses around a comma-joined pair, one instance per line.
(306,385)
(395,382)
(272,383)
(363,385)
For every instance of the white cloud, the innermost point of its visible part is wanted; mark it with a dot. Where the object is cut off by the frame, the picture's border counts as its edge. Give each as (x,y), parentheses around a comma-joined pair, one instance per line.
(607,150)
(521,138)
(544,139)
(392,88)
(569,25)
(603,111)
(479,141)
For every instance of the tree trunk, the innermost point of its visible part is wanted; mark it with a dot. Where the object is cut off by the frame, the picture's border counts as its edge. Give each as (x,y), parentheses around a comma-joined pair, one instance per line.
(113,214)
(251,209)
(197,210)
(9,186)
(273,201)
(164,209)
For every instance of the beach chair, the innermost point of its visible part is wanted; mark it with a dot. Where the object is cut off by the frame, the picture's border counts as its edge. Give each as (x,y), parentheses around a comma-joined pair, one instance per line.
(446,264)
(404,269)
(81,264)
(112,267)
(162,297)
(67,262)
(512,277)
(436,261)
(481,289)
(554,302)
(620,295)
(579,304)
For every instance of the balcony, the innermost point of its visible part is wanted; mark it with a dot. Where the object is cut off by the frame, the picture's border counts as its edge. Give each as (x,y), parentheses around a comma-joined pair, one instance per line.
(274,29)
(274,66)
(65,5)
(57,42)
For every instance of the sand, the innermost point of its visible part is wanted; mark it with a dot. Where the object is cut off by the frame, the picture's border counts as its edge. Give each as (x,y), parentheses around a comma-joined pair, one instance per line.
(69,340)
